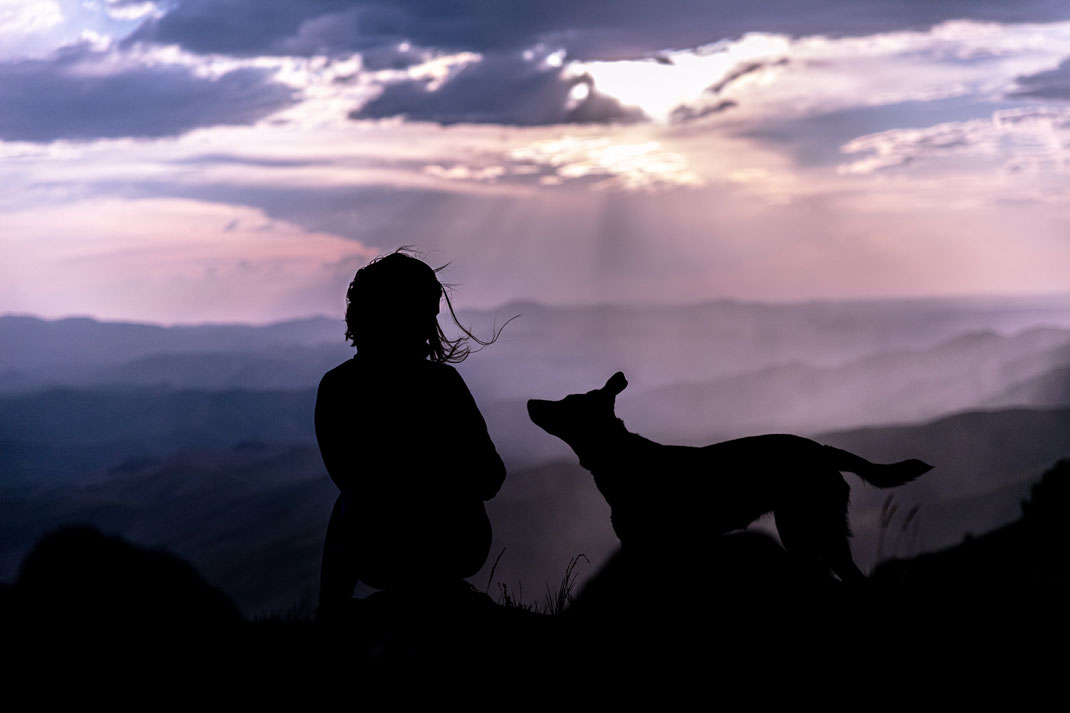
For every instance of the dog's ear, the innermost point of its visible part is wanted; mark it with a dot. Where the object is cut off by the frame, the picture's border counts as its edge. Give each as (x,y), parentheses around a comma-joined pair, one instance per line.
(616,384)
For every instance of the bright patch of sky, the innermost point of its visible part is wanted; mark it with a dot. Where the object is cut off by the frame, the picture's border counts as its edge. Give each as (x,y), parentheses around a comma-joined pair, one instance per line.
(676,78)
(631,166)
(35,28)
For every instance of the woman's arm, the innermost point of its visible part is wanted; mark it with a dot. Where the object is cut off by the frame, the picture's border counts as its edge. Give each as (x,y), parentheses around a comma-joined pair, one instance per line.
(328,431)
(481,455)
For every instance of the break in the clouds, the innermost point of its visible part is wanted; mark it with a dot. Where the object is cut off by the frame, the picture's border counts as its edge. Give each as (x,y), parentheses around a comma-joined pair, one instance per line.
(82,92)
(35,28)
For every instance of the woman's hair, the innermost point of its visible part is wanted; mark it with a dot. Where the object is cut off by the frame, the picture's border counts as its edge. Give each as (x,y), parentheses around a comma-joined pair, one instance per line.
(392,305)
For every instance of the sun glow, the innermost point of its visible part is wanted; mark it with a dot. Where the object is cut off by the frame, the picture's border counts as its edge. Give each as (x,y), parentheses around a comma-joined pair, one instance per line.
(680,77)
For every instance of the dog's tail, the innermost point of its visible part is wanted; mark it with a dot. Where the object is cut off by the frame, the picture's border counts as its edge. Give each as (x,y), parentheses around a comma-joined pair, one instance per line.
(881,475)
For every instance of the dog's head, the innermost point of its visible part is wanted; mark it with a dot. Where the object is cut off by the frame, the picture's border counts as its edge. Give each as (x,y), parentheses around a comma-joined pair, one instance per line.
(579,417)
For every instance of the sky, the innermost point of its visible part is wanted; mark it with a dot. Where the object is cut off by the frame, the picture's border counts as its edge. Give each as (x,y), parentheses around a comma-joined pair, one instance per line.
(180,161)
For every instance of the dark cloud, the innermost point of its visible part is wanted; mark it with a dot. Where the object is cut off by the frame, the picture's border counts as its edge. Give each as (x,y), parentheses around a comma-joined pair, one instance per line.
(499,90)
(1052,84)
(684,113)
(369,213)
(391,57)
(502,88)
(234,26)
(588,29)
(742,71)
(75,95)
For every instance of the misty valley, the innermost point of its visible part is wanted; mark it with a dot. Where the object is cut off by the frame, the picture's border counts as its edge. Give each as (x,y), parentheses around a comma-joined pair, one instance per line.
(199,439)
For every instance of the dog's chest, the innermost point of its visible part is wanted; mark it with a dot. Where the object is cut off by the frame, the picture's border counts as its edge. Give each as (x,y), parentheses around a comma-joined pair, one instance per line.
(653,502)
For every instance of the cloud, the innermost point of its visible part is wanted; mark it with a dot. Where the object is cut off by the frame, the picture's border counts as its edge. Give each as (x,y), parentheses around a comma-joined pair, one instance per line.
(400,56)
(82,93)
(23,25)
(742,71)
(512,82)
(36,28)
(237,27)
(685,113)
(586,29)
(132,9)
(597,162)
(1052,84)
(17,18)
(1014,139)
(501,90)
(644,166)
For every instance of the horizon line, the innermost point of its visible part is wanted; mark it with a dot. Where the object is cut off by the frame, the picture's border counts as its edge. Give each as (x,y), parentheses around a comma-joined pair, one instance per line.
(511,304)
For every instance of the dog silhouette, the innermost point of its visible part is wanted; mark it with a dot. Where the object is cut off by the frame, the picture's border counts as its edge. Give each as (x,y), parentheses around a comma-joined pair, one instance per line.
(666,498)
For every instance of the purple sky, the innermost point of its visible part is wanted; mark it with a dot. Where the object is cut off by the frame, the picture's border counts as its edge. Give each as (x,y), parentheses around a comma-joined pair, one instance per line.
(198,160)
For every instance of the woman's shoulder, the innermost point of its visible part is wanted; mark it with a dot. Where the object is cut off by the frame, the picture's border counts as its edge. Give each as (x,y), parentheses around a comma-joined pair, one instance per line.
(356,368)
(344,370)
(440,368)
(445,373)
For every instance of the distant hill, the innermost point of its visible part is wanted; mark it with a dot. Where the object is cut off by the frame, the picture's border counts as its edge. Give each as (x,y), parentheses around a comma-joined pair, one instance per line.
(984,462)
(1048,389)
(901,386)
(979,370)
(32,342)
(554,350)
(60,434)
(548,351)
(283,367)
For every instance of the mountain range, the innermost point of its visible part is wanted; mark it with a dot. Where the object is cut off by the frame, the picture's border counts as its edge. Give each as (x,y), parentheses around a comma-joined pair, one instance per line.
(199,439)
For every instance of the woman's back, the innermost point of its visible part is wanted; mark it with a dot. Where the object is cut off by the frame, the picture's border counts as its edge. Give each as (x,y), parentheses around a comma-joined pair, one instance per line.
(393,426)
(408,448)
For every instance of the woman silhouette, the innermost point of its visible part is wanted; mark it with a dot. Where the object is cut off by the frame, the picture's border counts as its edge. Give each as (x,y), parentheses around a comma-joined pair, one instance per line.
(402,438)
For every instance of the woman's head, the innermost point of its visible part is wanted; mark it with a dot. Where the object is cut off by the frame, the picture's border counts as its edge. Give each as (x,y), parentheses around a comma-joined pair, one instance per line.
(392,309)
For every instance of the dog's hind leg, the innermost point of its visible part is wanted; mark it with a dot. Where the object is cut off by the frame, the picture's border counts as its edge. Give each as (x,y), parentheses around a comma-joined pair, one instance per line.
(841,562)
(812,521)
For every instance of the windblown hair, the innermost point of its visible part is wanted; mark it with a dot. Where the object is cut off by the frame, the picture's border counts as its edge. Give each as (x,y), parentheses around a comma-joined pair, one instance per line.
(392,305)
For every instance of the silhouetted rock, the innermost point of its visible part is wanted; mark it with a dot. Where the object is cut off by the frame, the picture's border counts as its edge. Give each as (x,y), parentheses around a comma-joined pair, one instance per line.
(78,578)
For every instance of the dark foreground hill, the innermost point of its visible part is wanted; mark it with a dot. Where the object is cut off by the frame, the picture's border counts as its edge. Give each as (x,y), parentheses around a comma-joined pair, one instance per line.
(251,517)
(755,619)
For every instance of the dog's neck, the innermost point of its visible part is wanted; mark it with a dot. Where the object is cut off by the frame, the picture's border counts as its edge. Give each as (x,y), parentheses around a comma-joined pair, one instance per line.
(610,455)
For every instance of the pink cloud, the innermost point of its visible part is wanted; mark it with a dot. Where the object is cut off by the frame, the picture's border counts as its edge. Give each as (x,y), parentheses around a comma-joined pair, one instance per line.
(171,260)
